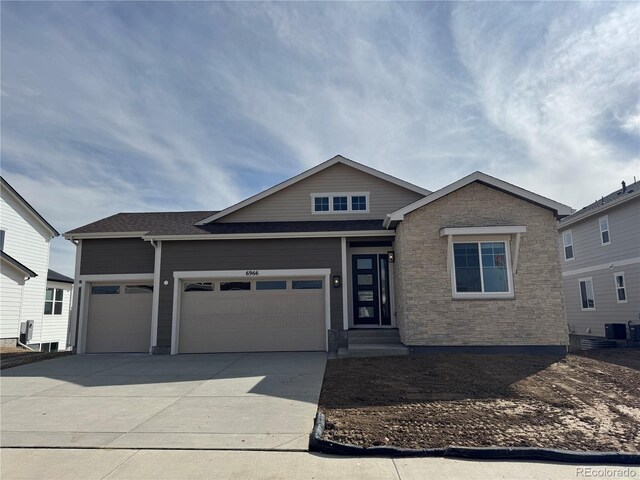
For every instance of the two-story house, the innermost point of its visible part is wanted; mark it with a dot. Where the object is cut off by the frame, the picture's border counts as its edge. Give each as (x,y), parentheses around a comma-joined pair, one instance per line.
(600,256)
(26,296)
(341,257)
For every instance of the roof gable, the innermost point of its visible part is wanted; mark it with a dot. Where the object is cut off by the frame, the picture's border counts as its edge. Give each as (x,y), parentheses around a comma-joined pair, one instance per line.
(560,209)
(16,197)
(338,159)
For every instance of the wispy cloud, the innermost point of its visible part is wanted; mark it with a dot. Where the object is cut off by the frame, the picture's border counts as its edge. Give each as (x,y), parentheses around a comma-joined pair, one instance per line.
(112,107)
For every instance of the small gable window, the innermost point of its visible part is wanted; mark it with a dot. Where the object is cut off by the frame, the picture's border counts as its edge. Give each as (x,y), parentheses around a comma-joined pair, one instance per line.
(359,203)
(321,204)
(340,202)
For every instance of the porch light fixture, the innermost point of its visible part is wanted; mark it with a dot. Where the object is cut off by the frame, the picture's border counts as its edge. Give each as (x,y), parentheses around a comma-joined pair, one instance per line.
(391,256)
(336,281)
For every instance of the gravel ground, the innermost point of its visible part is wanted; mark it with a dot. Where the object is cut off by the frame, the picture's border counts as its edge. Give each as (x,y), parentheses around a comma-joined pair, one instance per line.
(585,402)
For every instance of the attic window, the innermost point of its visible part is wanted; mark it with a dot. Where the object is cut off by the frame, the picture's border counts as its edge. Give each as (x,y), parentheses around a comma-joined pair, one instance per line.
(340,202)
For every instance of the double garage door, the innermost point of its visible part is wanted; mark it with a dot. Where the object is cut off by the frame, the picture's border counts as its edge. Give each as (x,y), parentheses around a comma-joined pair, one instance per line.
(256,315)
(252,315)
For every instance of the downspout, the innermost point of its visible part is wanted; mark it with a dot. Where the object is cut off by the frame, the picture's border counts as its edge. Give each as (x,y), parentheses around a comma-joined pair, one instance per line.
(20,317)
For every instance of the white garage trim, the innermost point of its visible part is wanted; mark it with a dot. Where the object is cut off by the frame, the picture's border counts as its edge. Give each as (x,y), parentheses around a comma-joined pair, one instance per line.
(83,302)
(156,295)
(251,275)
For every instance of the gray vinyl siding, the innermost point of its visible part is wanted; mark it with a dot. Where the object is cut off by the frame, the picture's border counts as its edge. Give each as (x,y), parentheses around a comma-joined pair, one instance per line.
(294,202)
(116,256)
(624,231)
(607,309)
(245,255)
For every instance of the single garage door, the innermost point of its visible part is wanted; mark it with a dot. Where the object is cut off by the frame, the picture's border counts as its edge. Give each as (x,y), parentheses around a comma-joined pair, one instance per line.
(119,318)
(266,315)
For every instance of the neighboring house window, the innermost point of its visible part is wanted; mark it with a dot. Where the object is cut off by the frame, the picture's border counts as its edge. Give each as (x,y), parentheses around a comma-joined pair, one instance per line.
(321,204)
(605,239)
(53,301)
(340,202)
(586,294)
(621,287)
(1,239)
(567,241)
(481,268)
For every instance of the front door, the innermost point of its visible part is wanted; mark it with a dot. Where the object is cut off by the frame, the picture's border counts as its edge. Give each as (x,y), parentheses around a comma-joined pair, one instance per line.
(370,280)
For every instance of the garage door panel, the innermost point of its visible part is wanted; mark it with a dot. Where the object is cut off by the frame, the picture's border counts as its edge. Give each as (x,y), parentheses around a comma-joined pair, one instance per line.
(254,320)
(119,323)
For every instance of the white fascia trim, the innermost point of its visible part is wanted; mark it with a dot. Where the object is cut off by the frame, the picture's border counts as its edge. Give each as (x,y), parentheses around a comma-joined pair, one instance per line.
(116,277)
(29,210)
(308,173)
(560,208)
(197,274)
(602,266)
(79,236)
(497,230)
(565,222)
(155,306)
(179,276)
(255,236)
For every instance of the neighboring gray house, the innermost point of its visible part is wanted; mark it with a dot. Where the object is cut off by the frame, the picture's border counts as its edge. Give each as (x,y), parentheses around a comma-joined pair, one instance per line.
(341,257)
(600,256)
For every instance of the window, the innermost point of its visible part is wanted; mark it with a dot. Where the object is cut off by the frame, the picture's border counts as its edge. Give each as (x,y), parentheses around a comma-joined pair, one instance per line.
(567,241)
(1,239)
(198,287)
(340,204)
(53,301)
(586,294)
(359,203)
(233,286)
(604,231)
(138,289)
(481,268)
(306,284)
(621,287)
(271,285)
(321,204)
(105,290)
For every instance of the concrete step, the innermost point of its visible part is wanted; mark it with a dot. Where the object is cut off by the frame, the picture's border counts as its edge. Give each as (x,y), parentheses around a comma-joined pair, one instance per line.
(374,339)
(373,350)
(377,332)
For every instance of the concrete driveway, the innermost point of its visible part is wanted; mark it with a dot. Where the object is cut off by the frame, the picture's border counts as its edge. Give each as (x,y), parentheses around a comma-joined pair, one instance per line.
(233,401)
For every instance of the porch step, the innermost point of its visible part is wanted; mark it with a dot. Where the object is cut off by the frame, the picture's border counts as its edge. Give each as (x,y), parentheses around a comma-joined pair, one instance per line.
(374,336)
(373,350)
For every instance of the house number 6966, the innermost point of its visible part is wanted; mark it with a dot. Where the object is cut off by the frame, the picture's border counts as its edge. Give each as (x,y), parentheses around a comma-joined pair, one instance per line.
(252,273)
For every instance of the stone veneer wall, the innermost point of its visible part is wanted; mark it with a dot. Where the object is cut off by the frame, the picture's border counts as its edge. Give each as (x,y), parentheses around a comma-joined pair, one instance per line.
(427,314)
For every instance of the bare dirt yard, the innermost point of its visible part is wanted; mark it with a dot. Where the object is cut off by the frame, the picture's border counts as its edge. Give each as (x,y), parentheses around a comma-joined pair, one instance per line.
(584,402)
(14,356)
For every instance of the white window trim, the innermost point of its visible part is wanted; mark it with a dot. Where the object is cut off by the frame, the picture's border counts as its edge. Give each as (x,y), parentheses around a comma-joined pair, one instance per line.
(593,289)
(481,295)
(331,211)
(608,230)
(53,302)
(616,288)
(564,246)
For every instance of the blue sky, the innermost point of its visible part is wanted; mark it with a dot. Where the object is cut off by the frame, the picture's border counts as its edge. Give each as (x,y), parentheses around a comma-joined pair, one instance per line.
(110,107)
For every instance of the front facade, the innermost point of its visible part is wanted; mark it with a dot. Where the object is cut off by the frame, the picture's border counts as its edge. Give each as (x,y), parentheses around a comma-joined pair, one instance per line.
(24,244)
(599,249)
(341,247)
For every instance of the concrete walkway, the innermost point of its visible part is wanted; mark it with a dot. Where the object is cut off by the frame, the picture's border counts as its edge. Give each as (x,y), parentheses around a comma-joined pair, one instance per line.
(230,401)
(98,464)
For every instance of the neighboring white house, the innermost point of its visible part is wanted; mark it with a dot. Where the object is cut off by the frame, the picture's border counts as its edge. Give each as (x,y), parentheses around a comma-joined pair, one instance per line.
(57,311)
(24,246)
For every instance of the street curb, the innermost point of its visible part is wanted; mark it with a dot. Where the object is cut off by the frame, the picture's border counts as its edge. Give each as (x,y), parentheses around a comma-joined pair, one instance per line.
(319,445)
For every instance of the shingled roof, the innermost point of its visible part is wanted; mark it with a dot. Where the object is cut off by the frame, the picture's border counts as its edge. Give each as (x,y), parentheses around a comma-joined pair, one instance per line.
(182,223)
(54,276)
(606,202)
